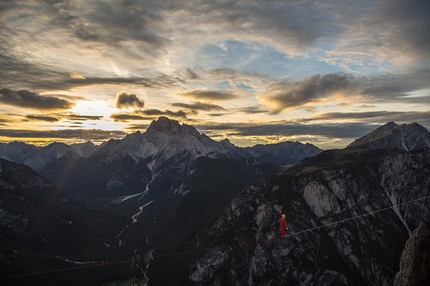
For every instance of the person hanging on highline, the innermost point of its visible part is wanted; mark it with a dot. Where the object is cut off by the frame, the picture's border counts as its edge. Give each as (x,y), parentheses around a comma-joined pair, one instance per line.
(283,225)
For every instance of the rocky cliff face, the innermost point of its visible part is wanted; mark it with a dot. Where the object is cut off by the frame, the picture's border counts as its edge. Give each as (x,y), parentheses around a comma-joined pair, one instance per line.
(348,222)
(415,260)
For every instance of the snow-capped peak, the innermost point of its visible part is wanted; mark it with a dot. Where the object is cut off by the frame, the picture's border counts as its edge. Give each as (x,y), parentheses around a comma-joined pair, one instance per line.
(165,138)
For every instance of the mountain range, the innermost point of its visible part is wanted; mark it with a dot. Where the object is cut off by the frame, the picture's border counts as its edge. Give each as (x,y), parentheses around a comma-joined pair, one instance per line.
(120,167)
(173,207)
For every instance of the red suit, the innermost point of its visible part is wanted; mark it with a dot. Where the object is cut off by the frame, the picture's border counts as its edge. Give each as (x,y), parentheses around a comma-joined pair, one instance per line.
(283,225)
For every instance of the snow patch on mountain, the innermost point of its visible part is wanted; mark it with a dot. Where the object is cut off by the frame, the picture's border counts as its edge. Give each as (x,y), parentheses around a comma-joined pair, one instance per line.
(166,138)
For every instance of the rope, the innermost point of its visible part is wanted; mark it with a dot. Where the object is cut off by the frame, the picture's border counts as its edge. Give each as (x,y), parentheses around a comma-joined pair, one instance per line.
(359,216)
(209,248)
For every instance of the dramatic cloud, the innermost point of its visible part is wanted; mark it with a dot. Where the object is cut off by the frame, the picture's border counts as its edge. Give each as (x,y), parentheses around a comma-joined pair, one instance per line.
(304,66)
(209,95)
(291,26)
(350,126)
(199,106)
(127,117)
(376,117)
(393,31)
(30,99)
(168,113)
(147,114)
(398,87)
(82,117)
(42,118)
(124,99)
(110,21)
(46,77)
(290,95)
(252,110)
(346,130)
(75,134)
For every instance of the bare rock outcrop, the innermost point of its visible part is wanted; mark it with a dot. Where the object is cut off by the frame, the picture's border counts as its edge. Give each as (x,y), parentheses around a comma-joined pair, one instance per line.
(415,260)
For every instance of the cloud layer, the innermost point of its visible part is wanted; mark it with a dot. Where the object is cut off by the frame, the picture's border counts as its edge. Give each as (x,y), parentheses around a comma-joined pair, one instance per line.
(30,99)
(251,69)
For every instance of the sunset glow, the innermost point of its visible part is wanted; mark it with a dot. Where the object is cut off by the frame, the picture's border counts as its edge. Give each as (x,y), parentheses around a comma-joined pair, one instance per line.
(320,72)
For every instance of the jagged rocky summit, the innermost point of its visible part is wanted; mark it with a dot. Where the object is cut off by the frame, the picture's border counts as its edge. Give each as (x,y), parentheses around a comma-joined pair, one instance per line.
(406,137)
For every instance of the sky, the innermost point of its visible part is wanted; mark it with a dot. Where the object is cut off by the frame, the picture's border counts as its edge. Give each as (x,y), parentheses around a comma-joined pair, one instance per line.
(255,72)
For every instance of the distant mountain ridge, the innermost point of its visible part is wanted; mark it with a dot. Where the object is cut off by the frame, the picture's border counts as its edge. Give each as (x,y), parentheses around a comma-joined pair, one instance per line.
(405,137)
(37,157)
(163,139)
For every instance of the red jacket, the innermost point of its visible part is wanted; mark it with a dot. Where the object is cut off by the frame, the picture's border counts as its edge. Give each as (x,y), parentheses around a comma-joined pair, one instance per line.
(283,224)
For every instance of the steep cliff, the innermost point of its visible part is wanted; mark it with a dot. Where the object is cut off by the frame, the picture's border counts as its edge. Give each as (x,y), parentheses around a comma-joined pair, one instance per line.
(350,213)
(415,260)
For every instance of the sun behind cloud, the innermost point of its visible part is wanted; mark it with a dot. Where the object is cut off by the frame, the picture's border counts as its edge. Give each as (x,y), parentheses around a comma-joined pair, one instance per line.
(93,108)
